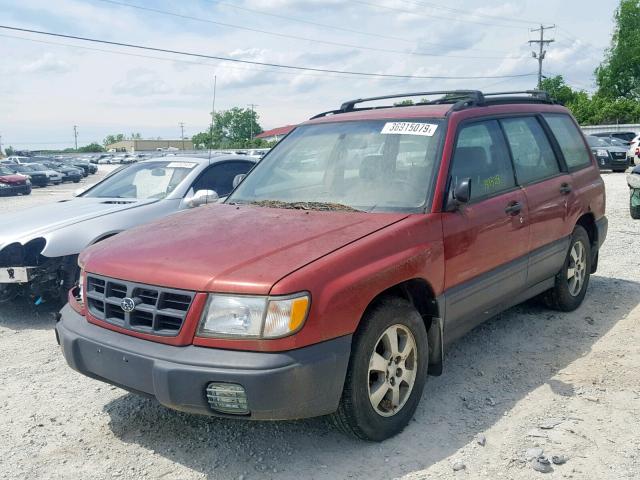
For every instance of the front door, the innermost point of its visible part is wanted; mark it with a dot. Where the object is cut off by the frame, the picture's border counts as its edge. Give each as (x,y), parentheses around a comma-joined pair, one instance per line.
(485,240)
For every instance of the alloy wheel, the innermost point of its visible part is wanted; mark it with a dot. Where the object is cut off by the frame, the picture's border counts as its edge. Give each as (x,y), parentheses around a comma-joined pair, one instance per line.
(577,268)
(392,370)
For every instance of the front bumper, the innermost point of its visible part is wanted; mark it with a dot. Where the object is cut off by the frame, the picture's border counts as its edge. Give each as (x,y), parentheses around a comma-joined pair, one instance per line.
(301,383)
(15,190)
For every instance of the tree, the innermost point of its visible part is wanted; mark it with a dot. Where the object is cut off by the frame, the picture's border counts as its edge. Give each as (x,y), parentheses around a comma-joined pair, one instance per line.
(558,89)
(234,128)
(91,148)
(109,139)
(619,74)
(9,151)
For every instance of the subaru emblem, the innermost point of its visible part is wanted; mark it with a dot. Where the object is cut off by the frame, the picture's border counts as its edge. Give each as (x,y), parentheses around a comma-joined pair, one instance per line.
(128,304)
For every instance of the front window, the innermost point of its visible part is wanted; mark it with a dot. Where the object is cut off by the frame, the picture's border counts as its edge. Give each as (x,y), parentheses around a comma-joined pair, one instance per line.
(143,180)
(371,166)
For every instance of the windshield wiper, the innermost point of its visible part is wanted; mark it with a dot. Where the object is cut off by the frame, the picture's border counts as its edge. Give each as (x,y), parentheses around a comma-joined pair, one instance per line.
(322,206)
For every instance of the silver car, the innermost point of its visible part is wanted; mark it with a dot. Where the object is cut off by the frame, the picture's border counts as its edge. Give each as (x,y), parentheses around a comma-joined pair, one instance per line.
(39,246)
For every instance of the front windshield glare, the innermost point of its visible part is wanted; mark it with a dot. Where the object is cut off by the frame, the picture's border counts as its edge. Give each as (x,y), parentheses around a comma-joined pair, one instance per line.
(143,180)
(373,166)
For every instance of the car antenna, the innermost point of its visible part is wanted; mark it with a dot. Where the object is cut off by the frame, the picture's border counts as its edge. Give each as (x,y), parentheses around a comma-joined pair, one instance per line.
(213,113)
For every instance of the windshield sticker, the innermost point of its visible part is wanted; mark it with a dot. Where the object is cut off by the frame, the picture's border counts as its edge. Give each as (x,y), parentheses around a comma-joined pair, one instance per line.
(409,128)
(181,165)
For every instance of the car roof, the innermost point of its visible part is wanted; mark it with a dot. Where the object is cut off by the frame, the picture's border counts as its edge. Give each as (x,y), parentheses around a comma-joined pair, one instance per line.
(199,159)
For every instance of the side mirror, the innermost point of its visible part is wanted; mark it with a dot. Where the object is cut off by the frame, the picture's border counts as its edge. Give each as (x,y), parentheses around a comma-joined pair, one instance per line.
(237,179)
(203,197)
(460,194)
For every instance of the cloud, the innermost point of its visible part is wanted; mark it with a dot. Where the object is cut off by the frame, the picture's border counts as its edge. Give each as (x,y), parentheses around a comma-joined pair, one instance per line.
(47,63)
(140,82)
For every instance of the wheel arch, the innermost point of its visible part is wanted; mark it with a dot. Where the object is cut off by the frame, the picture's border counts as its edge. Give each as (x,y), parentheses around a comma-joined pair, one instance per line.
(588,222)
(421,295)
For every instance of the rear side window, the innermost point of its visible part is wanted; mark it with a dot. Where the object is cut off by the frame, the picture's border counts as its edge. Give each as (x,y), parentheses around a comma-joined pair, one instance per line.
(482,155)
(219,177)
(533,156)
(570,140)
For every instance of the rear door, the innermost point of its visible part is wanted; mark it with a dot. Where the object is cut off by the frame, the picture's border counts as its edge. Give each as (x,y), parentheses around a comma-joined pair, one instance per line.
(485,241)
(547,189)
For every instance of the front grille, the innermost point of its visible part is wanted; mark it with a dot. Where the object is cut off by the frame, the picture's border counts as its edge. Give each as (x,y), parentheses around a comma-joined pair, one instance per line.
(158,310)
(619,155)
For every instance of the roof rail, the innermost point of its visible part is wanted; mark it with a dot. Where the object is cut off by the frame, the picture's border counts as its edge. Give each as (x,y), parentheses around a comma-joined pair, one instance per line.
(475,95)
(460,99)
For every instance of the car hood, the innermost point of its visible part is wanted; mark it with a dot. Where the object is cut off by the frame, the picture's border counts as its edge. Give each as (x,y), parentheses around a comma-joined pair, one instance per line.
(25,225)
(12,178)
(616,149)
(226,248)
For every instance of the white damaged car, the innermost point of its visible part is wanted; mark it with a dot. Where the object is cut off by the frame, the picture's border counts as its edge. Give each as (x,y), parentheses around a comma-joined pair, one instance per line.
(39,246)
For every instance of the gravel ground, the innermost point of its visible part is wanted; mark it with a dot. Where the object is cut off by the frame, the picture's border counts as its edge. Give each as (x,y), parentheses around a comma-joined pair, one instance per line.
(567,384)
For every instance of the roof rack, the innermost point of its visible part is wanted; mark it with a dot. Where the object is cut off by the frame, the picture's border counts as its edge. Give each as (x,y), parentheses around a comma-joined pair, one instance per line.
(459,99)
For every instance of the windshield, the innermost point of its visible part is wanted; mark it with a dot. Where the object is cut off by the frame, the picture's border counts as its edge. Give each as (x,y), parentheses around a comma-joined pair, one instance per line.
(155,179)
(597,142)
(372,166)
(22,168)
(5,171)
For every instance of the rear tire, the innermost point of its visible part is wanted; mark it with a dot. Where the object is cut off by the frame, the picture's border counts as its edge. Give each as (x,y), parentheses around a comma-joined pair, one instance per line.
(384,383)
(573,279)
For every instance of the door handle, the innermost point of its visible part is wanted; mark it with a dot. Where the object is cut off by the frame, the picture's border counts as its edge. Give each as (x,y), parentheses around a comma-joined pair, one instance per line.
(513,208)
(565,189)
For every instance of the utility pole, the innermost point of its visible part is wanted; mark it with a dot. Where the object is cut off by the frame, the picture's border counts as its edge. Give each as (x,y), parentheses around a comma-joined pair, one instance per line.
(542,52)
(253,106)
(181,124)
(0,145)
(75,134)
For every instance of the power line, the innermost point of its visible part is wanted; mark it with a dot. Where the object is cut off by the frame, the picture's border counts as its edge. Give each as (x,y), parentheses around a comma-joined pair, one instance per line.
(253,62)
(483,15)
(296,37)
(344,29)
(541,54)
(426,15)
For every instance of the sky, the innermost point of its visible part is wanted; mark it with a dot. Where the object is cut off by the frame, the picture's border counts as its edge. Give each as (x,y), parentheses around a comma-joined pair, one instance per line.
(48,85)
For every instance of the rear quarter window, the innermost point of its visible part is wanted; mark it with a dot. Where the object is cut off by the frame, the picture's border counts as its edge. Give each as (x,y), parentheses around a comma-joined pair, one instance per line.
(569,139)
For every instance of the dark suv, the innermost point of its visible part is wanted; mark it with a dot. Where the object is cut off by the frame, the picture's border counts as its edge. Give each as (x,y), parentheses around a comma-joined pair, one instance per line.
(333,277)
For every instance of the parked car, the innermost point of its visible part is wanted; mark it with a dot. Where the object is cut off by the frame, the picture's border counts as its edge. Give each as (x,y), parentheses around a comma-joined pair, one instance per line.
(321,289)
(41,245)
(81,165)
(69,174)
(18,159)
(633,152)
(37,177)
(258,152)
(55,178)
(13,184)
(608,156)
(633,180)
(625,136)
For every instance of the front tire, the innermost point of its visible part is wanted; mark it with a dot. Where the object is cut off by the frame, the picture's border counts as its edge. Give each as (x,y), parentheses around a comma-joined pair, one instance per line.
(634,210)
(386,374)
(572,281)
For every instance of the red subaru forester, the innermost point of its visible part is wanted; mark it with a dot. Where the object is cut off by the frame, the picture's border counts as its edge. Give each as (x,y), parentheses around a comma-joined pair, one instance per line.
(332,279)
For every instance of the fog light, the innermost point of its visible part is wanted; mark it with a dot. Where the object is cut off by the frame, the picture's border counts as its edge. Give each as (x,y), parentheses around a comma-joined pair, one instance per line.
(227,398)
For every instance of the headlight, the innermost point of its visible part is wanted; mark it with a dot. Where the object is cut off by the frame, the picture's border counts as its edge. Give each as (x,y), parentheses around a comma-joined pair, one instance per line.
(256,317)
(602,153)
(80,296)
(3,185)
